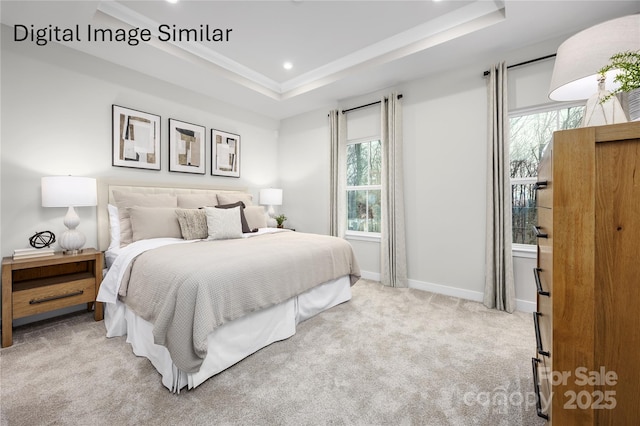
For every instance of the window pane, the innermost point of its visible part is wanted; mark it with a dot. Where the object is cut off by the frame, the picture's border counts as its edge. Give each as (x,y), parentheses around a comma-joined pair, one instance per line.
(357,210)
(570,118)
(358,164)
(363,210)
(373,212)
(529,135)
(376,162)
(352,165)
(524,214)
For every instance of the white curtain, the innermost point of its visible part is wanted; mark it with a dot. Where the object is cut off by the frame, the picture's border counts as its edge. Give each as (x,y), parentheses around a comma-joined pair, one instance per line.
(337,203)
(393,261)
(499,290)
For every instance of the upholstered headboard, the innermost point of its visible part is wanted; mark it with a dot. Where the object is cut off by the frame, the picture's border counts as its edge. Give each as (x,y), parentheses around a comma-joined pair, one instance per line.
(105,197)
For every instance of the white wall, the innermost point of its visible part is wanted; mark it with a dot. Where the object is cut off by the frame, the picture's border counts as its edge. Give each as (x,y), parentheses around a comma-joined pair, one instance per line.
(445,128)
(56,120)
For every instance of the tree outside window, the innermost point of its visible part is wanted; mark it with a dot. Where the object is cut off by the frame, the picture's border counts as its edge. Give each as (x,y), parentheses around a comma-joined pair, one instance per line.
(364,191)
(530,132)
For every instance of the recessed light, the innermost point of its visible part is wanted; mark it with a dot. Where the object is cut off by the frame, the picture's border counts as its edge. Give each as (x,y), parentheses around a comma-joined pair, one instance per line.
(287,65)
(172,1)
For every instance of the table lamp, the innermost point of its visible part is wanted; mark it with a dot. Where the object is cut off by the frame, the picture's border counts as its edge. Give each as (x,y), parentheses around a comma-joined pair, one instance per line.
(271,197)
(578,60)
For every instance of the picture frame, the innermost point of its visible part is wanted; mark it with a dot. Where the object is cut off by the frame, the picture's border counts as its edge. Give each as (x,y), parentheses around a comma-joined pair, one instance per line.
(187,144)
(225,153)
(135,138)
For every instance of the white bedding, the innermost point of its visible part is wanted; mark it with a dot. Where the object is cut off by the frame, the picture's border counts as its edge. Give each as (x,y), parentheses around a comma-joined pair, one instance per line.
(230,342)
(227,344)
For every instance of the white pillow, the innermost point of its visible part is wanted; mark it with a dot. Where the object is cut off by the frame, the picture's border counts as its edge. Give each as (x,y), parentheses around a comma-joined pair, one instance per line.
(114,227)
(223,224)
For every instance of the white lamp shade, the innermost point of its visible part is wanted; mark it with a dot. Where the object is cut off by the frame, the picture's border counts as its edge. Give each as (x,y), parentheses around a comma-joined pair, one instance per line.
(271,197)
(579,58)
(68,191)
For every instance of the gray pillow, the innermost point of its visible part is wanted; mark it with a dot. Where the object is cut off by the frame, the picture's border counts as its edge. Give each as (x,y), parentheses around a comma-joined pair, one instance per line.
(256,217)
(133,199)
(154,222)
(234,197)
(193,223)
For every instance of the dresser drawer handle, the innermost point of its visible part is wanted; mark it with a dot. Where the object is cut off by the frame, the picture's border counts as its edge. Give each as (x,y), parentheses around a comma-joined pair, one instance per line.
(536,324)
(59,296)
(536,230)
(536,387)
(536,274)
(540,185)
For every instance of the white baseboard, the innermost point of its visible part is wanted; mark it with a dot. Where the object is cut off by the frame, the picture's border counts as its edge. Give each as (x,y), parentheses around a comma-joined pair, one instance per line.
(476,296)
(446,290)
(373,276)
(525,305)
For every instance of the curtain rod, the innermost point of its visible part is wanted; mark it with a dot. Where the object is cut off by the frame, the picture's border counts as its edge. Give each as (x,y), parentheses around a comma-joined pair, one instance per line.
(367,105)
(486,73)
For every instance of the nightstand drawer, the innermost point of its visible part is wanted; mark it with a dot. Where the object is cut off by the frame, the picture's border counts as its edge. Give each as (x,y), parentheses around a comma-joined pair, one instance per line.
(36,300)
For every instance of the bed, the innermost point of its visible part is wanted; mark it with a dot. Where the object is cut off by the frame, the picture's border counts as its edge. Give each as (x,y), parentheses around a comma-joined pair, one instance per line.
(197,282)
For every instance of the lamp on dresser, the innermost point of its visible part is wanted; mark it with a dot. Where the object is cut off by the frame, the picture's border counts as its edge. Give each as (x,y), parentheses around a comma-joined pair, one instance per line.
(271,197)
(70,192)
(578,60)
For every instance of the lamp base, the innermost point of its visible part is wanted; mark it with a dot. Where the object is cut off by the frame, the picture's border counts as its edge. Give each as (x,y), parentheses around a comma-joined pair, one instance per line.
(271,214)
(598,113)
(72,252)
(72,241)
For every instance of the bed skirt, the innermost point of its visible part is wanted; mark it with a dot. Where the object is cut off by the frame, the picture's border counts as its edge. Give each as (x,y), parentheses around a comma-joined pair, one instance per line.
(230,342)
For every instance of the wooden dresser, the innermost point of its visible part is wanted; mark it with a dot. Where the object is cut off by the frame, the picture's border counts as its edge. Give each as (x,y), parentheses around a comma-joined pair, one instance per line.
(587,364)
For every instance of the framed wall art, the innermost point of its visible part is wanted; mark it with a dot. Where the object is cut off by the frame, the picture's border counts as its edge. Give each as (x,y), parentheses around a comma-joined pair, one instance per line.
(136,139)
(225,154)
(186,147)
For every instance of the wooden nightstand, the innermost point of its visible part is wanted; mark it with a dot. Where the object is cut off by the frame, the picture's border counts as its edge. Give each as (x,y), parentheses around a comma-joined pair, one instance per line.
(43,284)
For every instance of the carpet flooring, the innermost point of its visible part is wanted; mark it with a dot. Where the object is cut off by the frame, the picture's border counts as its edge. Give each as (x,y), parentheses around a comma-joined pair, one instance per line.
(387,357)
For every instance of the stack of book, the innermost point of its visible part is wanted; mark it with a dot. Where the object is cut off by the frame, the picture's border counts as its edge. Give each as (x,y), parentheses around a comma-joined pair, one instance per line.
(32,252)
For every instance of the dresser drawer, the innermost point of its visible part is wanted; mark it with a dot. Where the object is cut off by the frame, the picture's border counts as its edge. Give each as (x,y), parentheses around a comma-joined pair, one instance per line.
(544,193)
(545,269)
(545,324)
(543,330)
(542,385)
(544,229)
(38,299)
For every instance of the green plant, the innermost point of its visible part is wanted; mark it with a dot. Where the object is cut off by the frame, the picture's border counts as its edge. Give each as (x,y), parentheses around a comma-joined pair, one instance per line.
(280,219)
(628,64)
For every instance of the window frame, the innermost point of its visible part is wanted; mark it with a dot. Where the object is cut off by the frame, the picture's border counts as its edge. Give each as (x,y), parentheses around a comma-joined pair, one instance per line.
(361,235)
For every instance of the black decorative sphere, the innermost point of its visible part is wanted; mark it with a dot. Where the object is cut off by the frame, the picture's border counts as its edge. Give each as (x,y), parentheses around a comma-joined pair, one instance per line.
(42,239)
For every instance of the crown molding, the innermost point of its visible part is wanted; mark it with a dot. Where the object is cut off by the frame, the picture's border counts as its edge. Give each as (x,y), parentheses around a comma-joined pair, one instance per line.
(465,20)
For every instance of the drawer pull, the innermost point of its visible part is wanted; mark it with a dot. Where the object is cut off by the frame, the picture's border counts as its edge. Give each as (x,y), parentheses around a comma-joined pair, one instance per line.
(540,185)
(536,230)
(536,387)
(59,296)
(536,274)
(536,324)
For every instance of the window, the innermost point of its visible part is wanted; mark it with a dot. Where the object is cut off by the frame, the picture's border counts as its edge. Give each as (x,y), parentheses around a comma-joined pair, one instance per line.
(530,131)
(364,190)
